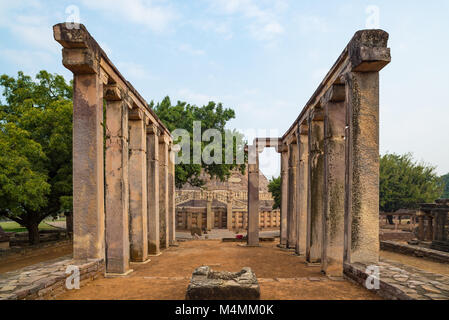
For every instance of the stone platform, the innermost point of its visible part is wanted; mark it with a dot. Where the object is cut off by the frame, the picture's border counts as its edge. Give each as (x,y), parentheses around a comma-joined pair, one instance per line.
(401,282)
(415,250)
(45,280)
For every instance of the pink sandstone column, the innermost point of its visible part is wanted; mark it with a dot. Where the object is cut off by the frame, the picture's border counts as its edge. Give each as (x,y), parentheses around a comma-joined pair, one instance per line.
(171,198)
(284,194)
(253,196)
(88,174)
(117,187)
(163,192)
(138,212)
(368,54)
(88,160)
(229,210)
(316,186)
(291,194)
(303,182)
(334,180)
(153,189)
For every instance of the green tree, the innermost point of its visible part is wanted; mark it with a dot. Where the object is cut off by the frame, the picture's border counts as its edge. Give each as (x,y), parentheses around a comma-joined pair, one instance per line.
(404,183)
(212,116)
(445,180)
(36,144)
(275,188)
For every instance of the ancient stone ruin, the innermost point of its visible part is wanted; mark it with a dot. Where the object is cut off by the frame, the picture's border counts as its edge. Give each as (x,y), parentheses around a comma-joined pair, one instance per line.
(330,164)
(207,284)
(123,204)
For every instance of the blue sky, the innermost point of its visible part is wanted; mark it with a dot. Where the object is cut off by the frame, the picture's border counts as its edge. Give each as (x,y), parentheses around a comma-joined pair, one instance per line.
(262,58)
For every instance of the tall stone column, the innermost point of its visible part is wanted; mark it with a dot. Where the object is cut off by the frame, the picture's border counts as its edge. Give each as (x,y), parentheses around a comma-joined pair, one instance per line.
(292,203)
(210,219)
(284,195)
(334,180)
(316,186)
(229,210)
(163,192)
(171,198)
(253,196)
(153,189)
(138,213)
(88,159)
(368,54)
(117,187)
(302,188)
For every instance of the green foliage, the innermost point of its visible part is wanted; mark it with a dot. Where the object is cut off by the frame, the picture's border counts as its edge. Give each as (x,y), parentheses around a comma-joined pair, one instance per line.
(445,179)
(275,188)
(36,144)
(211,116)
(405,183)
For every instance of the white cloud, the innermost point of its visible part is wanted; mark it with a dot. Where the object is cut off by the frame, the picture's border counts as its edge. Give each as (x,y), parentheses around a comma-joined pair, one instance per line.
(134,71)
(311,24)
(263,24)
(156,17)
(26,59)
(187,48)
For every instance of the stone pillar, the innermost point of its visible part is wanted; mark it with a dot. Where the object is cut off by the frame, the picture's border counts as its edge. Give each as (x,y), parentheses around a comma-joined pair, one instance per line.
(189,220)
(171,198)
(368,54)
(210,219)
(253,196)
(117,187)
(421,228)
(163,192)
(291,194)
(88,161)
(138,212)
(429,227)
(229,210)
(199,220)
(284,195)
(88,168)
(334,180)
(153,189)
(362,168)
(303,182)
(316,186)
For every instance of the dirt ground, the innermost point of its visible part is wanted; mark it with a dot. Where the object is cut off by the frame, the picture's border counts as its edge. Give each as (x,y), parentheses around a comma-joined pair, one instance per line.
(282,275)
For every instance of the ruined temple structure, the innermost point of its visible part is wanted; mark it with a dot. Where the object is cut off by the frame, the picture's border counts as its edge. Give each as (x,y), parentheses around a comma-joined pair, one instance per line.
(123,188)
(223,204)
(123,184)
(330,164)
(433,224)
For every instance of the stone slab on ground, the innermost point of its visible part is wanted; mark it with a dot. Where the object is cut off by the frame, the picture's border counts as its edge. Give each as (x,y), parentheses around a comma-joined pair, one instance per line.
(207,284)
(45,280)
(401,282)
(417,251)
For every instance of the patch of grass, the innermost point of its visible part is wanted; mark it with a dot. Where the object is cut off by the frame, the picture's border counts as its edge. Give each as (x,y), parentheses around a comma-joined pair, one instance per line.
(12,226)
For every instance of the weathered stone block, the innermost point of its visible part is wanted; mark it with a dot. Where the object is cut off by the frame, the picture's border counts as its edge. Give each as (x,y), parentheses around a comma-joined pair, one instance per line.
(207,284)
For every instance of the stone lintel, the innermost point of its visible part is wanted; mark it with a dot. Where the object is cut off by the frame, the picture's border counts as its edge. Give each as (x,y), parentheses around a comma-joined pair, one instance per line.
(303,129)
(135,114)
(368,51)
(80,60)
(73,37)
(336,93)
(317,114)
(112,93)
(153,129)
